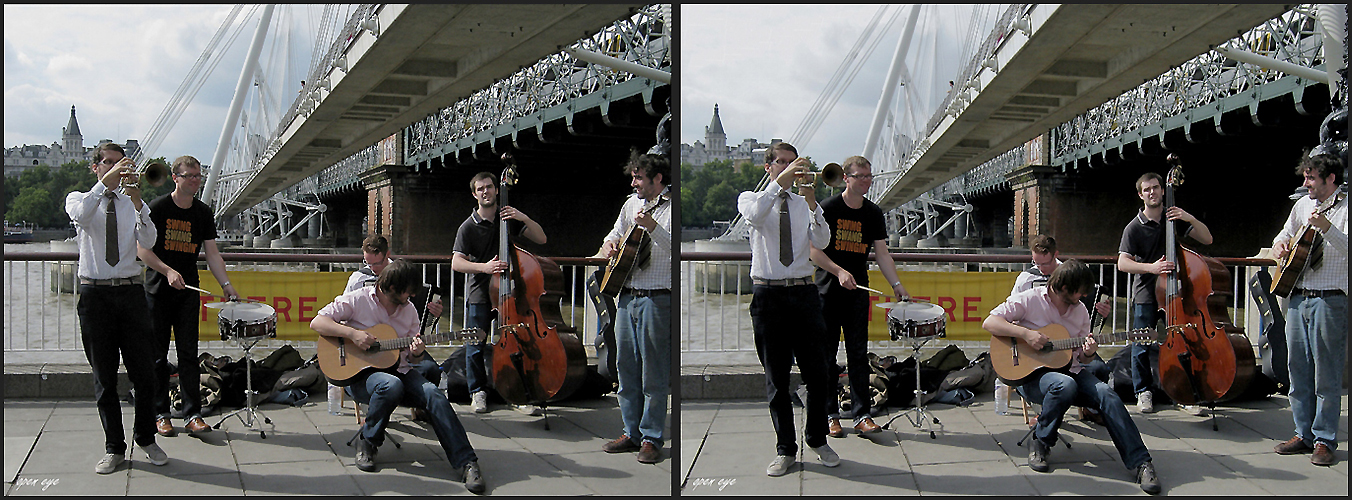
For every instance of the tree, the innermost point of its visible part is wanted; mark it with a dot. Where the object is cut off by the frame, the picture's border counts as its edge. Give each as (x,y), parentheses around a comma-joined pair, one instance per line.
(34,205)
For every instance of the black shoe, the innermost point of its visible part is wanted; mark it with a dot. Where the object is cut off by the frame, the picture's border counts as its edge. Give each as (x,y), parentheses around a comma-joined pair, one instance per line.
(474,478)
(1037,456)
(366,455)
(1145,475)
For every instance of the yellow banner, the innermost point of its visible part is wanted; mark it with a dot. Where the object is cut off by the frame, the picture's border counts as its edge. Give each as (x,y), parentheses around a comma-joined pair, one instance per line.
(294,297)
(965,297)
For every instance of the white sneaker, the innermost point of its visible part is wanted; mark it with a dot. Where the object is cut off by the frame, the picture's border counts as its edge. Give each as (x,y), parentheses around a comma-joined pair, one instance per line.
(780,466)
(109,463)
(480,402)
(1145,402)
(1194,410)
(155,454)
(827,456)
(531,410)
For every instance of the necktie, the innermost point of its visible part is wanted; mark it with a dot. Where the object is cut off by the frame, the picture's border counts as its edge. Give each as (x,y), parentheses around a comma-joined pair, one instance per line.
(785,230)
(110,252)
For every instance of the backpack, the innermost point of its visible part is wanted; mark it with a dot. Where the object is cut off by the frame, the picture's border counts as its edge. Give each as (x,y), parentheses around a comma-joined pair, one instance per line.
(978,376)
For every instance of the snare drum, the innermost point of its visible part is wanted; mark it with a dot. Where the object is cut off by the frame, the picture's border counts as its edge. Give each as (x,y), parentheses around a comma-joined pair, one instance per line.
(239,320)
(916,320)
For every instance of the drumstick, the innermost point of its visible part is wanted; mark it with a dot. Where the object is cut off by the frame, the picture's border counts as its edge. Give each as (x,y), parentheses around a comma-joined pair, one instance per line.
(907,299)
(220,296)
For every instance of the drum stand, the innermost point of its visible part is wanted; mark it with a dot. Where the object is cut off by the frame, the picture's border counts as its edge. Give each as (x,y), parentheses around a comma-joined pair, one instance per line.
(250,408)
(923,417)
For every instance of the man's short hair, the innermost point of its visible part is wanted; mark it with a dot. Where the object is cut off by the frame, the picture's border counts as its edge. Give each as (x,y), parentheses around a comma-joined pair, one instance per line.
(779,146)
(1071,276)
(1321,166)
(107,146)
(375,244)
(855,160)
(187,161)
(398,277)
(481,176)
(1147,176)
(649,166)
(1042,244)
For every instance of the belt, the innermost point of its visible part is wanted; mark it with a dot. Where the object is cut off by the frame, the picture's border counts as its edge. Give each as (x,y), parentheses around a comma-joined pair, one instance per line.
(1319,293)
(647,293)
(807,280)
(134,280)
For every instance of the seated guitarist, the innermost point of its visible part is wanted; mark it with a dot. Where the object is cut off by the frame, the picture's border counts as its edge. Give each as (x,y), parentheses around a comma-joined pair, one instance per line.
(1059,302)
(387,303)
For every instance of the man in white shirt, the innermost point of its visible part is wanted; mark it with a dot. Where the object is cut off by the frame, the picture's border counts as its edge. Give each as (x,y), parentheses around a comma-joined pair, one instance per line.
(643,314)
(786,313)
(114,316)
(1316,315)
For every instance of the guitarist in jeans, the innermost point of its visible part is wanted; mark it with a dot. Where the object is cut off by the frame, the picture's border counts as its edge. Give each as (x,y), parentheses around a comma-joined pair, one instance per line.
(387,303)
(1020,317)
(643,315)
(1316,316)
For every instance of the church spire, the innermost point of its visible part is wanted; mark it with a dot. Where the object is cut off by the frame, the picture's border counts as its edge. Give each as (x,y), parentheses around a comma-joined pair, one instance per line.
(715,126)
(72,126)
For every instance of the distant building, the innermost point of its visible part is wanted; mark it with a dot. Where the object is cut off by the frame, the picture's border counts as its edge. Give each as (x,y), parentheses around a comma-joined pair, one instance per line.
(70,148)
(714,147)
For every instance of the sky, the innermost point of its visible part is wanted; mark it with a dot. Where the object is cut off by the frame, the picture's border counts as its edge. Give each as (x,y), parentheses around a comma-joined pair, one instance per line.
(765,66)
(120,65)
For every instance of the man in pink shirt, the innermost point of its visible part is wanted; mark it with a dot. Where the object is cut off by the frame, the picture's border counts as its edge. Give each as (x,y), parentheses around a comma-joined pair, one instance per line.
(387,303)
(1020,316)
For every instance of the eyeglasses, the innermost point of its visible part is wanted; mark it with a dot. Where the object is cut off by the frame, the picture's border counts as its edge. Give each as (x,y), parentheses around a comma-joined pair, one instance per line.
(860,176)
(109,161)
(781,161)
(189,176)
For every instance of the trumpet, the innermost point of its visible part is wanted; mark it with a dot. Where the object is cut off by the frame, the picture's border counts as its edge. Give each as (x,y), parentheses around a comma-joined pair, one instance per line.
(832,175)
(154,173)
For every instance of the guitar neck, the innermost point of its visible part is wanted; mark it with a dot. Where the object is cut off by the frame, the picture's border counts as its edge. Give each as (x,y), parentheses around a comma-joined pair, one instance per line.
(1074,342)
(430,338)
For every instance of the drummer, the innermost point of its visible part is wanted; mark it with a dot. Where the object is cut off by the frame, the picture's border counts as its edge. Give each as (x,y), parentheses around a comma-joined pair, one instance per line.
(185,227)
(857,225)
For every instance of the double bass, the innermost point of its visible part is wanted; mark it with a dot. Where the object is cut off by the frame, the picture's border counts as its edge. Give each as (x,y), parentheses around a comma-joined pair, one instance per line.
(1204,358)
(537,358)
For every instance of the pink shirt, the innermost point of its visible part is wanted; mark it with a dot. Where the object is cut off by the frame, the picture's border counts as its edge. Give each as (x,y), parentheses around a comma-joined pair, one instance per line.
(361,310)
(1033,309)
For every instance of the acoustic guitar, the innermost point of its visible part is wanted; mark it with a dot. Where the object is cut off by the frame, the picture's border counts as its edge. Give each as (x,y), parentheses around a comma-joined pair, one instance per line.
(343,362)
(1304,249)
(626,258)
(1015,362)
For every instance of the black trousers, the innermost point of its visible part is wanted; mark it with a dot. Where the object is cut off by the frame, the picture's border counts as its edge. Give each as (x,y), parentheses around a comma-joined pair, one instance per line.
(787,322)
(115,320)
(847,310)
(176,310)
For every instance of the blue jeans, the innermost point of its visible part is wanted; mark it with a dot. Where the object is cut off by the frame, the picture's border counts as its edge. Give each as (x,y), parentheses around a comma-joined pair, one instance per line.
(787,322)
(176,310)
(1316,343)
(481,316)
(1142,316)
(847,310)
(383,391)
(643,360)
(115,320)
(1057,391)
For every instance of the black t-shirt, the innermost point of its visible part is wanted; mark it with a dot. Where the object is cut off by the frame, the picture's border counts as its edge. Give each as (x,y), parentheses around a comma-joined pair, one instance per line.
(178,240)
(1144,239)
(853,231)
(477,239)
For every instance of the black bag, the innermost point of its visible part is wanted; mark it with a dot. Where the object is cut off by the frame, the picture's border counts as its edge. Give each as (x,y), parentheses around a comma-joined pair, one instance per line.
(901,382)
(1119,375)
(453,372)
(307,377)
(948,359)
(978,376)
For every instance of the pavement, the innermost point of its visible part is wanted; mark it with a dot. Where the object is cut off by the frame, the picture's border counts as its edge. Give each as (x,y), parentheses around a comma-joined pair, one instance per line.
(725,446)
(51,446)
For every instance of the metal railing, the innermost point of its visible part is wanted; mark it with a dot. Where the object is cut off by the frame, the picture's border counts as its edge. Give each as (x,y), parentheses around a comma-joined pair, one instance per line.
(715,322)
(41,294)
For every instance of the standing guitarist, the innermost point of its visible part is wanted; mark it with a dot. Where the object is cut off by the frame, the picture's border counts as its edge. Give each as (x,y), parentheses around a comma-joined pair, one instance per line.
(1316,325)
(1020,317)
(643,315)
(347,317)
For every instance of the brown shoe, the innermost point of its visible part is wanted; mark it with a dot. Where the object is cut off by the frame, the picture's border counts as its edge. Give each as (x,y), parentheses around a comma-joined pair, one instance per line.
(164,427)
(649,454)
(196,426)
(1091,416)
(620,445)
(1293,446)
(835,430)
(866,426)
(1323,455)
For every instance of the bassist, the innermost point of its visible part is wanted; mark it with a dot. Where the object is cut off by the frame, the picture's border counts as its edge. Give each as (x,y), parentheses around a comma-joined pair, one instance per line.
(1316,326)
(643,315)
(387,303)
(1059,302)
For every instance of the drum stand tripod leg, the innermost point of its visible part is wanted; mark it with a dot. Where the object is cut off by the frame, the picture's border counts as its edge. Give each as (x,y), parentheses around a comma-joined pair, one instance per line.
(250,407)
(923,417)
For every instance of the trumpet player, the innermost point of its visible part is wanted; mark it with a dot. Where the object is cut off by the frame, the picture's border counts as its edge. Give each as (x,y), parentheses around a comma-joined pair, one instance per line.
(114,318)
(786,313)
(186,227)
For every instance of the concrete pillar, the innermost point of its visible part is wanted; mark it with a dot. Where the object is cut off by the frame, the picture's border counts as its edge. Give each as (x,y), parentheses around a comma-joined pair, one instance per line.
(416,212)
(1030,184)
